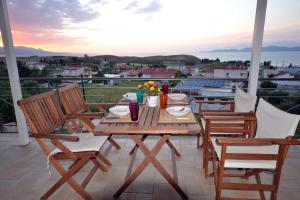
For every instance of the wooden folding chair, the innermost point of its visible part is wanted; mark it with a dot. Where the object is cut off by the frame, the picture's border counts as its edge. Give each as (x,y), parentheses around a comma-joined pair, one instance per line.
(242,103)
(44,116)
(76,107)
(242,122)
(265,152)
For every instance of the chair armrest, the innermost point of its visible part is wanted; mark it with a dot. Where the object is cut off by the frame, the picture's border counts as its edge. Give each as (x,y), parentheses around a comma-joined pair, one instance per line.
(243,141)
(256,141)
(91,115)
(231,118)
(228,114)
(214,102)
(230,103)
(69,138)
(101,104)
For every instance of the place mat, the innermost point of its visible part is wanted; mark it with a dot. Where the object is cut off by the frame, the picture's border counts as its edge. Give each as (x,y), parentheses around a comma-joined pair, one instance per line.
(125,101)
(111,118)
(185,101)
(165,117)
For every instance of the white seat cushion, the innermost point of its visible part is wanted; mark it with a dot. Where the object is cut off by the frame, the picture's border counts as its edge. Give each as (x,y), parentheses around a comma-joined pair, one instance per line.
(87,142)
(254,164)
(219,133)
(96,122)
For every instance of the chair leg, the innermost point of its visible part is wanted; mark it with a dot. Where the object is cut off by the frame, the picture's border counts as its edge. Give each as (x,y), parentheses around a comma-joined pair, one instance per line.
(67,177)
(90,175)
(258,181)
(99,165)
(103,159)
(198,141)
(205,157)
(113,142)
(283,149)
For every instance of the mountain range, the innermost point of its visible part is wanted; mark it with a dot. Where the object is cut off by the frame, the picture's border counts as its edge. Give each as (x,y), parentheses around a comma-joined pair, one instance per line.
(29,51)
(265,49)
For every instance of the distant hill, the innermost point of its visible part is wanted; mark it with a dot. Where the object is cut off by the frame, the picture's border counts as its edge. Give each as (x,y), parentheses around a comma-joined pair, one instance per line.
(28,51)
(149,59)
(265,49)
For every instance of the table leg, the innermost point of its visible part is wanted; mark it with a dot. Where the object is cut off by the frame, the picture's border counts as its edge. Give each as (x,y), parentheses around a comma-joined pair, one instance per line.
(136,146)
(150,157)
(172,147)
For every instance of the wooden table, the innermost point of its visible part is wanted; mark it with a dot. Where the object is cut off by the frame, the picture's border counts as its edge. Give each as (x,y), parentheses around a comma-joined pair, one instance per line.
(148,124)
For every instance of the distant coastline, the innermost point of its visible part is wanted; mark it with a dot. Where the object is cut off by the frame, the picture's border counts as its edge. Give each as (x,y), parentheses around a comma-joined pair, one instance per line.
(264,49)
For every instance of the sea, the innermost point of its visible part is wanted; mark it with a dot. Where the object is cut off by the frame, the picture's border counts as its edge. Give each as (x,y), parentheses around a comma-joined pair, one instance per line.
(278,58)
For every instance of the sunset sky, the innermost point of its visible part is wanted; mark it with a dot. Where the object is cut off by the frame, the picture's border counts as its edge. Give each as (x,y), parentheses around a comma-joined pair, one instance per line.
(146,27)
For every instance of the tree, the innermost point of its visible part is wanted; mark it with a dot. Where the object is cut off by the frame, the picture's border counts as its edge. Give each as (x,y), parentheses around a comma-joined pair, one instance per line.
(45,72)
(267,63)
(179,74)
(23,70)
(35,72)
(74,59)
(30,87)
(86,58)
(268,85)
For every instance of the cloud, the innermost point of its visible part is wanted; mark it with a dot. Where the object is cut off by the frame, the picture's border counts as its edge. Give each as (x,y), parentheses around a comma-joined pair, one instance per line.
(32,15)
(131,5)
(153,6)
(44,22)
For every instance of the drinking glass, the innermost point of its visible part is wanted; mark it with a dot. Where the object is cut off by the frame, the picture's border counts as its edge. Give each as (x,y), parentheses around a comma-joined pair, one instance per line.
(163,100)
(140,95)
(134,111)
(165,88)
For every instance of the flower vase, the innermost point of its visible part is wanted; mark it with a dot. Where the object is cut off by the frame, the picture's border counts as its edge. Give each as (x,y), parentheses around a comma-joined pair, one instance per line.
(152,101)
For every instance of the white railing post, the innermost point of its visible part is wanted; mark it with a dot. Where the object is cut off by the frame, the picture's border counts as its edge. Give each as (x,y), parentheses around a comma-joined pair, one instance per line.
(12,69)
(258,35)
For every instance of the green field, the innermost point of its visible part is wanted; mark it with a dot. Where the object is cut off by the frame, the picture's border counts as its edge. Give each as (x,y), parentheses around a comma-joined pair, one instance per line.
(98,93)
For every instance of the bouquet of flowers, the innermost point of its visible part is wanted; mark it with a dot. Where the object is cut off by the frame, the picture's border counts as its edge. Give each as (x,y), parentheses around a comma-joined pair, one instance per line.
(150,88)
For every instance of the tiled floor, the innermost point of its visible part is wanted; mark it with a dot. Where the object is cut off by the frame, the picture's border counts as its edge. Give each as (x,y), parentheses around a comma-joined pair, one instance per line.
(24,174)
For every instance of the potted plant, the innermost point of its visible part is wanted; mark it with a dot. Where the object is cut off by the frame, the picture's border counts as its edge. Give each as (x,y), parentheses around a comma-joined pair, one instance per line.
(152,90)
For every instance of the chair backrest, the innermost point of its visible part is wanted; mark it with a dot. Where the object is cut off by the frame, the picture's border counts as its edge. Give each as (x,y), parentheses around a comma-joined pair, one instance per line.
(72,99)
(243,101)
(42,112)
(273,122)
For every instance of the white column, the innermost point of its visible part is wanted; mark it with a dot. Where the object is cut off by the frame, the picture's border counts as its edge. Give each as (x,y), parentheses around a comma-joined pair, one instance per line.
(258,35)
(12,71)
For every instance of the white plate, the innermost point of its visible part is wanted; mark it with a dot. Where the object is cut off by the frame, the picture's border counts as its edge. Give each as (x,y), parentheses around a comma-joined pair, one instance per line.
(177,96)
(119,110)
(130,96)
(178,110)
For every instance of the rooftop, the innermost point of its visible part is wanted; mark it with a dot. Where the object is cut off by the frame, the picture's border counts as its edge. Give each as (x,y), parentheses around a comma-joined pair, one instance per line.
(24,173)
(158,72)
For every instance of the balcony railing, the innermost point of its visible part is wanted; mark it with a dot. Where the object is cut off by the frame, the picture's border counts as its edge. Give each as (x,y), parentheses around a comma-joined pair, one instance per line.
(94,90)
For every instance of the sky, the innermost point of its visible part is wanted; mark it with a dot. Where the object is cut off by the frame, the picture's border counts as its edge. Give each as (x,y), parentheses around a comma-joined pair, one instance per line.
(147,27)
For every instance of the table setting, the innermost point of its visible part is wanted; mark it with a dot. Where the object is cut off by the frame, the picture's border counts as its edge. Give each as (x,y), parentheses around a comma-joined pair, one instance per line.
(162,115)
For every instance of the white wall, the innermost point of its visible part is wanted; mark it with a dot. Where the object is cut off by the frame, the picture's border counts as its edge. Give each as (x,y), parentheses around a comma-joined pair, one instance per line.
(74,72)
(226,73)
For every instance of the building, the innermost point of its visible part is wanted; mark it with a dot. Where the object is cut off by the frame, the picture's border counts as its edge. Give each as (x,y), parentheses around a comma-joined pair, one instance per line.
(157,72)
(121,67)
(231,72)
(207,73)
(111,81)
(35,65)
(282,83)
(73,71)
(130,73)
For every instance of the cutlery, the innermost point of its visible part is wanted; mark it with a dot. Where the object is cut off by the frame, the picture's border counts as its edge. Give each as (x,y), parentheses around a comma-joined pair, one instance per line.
(112,117)
(125,100)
